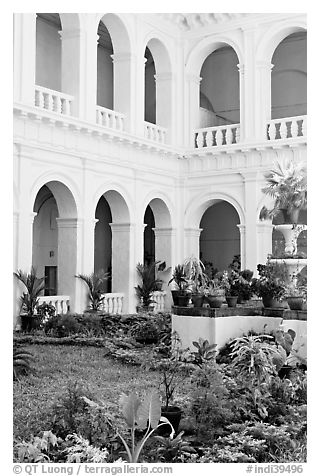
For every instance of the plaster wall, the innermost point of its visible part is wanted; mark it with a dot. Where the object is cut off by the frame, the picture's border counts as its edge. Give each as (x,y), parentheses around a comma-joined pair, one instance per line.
(48,55)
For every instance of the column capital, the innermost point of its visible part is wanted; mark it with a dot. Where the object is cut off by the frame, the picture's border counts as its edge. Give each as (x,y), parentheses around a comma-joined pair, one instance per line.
(32,216)
(122,57)
(242,229)
(193,231)
(121,227)
(163,77)
(158,231)
(267,65)
(68,222)
(241,67)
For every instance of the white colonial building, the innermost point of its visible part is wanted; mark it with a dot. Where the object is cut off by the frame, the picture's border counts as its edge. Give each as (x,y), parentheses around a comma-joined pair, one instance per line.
(146,136)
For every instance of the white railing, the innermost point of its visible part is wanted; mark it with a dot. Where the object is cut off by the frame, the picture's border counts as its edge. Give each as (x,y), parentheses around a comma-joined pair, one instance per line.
(217,136)
(53,100)
(158,298)
(113,303)
(154,132)
(287,128)
(61,303)
(108,118)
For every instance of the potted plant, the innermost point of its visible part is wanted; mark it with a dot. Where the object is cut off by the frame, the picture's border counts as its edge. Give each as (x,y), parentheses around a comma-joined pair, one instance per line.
(270,284)
(146,332)
(287,185)
(232,290)
(94,282)
(148,284)
(295,296)
(215,290)
(179,278)
(173,371)
(195,271)
(30,299)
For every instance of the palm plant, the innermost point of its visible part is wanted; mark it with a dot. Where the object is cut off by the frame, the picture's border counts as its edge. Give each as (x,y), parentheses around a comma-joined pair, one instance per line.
(94,282)
(34,285)
(21,361)
(287,185)
(149,282)
(179,277)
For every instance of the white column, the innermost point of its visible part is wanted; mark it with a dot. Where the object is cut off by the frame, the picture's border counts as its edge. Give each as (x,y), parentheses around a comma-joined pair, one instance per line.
(250,193)
(164,111)
(123,266)
(124,86)
(264,229)
(68,261)
(192,111)
(79,70)
(138,125)
(248,97)
(192,242)
(24,66)
(242,229)
(163,252)
(262,99)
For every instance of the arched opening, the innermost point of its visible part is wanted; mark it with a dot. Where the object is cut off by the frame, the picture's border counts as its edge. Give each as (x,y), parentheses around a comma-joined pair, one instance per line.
(112,241)
(289,77)
(149,88)
(103,242)
(148,237)
(219,89)
(105,88)
(48,51)
(54,248)
(220,236)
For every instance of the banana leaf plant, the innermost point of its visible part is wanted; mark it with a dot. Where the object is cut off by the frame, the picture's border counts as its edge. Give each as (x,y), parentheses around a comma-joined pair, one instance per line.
(141,415)
(34,286)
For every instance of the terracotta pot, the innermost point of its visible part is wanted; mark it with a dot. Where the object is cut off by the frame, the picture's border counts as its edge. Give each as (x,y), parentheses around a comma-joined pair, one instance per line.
(215,301)
(271,302)
(197,299)
(175,295)
(232,301)
(183,300)
(295,303)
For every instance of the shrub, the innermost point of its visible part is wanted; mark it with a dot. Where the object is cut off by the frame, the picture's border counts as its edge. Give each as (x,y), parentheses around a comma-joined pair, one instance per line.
(21,361)
(63,325)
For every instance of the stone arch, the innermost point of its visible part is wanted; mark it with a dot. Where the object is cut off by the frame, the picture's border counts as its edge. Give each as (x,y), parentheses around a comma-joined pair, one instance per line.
(201,203)
(119,201)
(205,47)
(158,82)
(118,30)
(274,35)
(55,237)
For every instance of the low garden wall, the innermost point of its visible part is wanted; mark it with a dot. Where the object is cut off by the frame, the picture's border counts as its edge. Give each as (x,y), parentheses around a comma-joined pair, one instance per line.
(218,326)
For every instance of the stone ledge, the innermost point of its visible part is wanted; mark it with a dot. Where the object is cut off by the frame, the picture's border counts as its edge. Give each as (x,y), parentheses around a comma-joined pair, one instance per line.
(225,311)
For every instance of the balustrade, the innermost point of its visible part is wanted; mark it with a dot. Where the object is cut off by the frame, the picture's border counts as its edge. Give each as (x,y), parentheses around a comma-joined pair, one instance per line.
(217,136)
(158,298)
(108,118)
(54,101)
(61,303)
(113,303)
(154,132)
(287,128)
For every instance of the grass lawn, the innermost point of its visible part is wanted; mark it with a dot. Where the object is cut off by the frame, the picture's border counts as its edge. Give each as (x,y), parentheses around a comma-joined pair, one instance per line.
(55,367)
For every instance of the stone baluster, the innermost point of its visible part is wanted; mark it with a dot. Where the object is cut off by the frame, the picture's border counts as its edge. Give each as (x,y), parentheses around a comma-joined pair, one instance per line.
(210,138)
(200,140)
(304,127)
(219,137)
(272,131)
(229,136)
(283,130)
(294,128)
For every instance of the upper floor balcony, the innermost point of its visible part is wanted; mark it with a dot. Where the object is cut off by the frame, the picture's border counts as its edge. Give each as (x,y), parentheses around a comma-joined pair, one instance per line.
(218,102)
